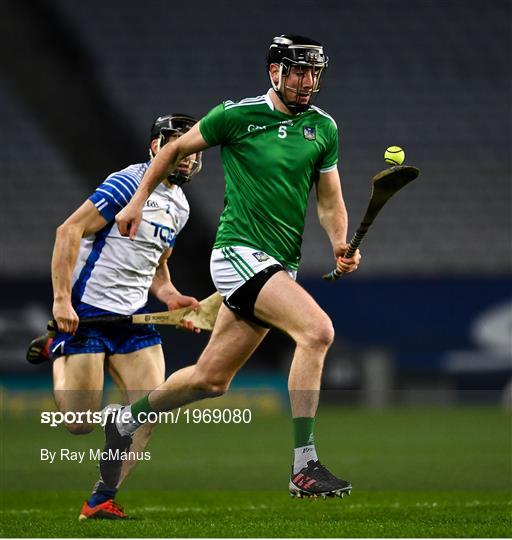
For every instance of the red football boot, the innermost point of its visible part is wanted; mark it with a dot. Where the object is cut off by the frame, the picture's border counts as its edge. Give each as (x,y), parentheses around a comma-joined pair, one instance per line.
(106,510)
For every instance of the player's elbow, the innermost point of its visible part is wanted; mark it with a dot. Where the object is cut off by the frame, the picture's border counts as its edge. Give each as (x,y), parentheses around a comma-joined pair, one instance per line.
(62,230)
(67,230)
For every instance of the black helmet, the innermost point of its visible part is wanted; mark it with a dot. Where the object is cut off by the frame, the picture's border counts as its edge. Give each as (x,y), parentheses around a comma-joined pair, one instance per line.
(291,50)
(167,126)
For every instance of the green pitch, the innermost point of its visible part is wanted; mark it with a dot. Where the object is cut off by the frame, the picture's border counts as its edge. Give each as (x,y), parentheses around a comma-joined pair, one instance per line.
(415,472)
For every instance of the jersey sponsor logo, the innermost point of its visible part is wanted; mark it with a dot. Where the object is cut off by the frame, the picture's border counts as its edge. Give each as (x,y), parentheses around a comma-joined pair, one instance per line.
(254,127)
(310,133)
(163,232)
(260,256)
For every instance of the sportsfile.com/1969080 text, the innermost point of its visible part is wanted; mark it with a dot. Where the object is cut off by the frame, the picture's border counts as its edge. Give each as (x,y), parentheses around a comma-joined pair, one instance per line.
(188,416)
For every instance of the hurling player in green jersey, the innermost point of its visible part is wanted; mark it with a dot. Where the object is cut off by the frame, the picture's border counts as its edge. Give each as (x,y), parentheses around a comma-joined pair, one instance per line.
(275,148)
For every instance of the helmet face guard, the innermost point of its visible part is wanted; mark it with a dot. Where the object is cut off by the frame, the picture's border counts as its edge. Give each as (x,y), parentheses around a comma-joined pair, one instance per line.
(303,54)
(169,127)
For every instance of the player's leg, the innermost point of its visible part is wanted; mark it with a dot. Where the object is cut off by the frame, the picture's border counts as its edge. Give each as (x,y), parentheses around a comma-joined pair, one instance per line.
(283,303)
(78,373)
(286,305)
(78,386)
(136,374)
(232,342)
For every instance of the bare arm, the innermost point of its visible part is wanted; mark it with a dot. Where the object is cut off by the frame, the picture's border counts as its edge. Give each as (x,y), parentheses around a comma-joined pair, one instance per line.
(84,221)
(162,287)
(164,290)
(333,217)
(331,208)
(166,161)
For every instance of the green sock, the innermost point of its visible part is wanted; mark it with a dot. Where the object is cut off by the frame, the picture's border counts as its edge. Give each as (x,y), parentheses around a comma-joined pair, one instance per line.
(141,405)
(303,431)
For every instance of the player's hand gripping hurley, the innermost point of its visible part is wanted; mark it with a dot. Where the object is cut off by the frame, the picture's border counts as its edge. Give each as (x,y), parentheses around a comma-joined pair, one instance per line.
(384,186)
(203,318)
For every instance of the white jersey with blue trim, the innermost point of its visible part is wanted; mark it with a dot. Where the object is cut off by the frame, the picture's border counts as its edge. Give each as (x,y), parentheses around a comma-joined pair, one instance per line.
(113,272)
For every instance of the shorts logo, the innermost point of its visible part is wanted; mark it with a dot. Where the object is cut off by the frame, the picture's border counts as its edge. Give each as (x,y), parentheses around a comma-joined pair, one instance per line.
(310,133)
(260,256)
(60,346)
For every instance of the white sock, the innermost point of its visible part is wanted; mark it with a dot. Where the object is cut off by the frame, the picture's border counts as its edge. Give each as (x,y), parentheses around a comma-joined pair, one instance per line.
(302,456)
(125,422)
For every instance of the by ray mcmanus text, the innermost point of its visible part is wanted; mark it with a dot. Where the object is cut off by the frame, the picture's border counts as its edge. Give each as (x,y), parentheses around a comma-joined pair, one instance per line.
(66,454)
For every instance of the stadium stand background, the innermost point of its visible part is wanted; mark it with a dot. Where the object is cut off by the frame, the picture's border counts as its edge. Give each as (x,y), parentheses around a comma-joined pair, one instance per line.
(82,81)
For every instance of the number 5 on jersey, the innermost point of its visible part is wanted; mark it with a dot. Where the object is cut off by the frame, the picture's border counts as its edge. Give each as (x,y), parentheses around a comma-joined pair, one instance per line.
(282,132)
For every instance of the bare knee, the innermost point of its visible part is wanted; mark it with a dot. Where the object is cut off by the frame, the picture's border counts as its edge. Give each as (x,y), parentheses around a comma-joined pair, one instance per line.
(208,384)
(318,336)
(79,428)
(77,422)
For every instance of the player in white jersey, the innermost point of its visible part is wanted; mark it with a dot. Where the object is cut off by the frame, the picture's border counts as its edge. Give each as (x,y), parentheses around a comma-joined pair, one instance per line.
(96,271)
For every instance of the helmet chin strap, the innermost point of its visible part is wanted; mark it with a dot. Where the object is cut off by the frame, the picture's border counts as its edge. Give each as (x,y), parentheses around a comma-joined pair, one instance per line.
(178,178)
(293,107)
(158,146)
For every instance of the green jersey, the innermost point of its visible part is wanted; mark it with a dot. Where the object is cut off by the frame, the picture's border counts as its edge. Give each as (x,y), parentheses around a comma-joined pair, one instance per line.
(270,161)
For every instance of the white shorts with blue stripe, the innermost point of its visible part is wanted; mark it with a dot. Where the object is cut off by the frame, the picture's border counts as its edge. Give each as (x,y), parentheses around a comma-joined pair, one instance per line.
(232,266)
